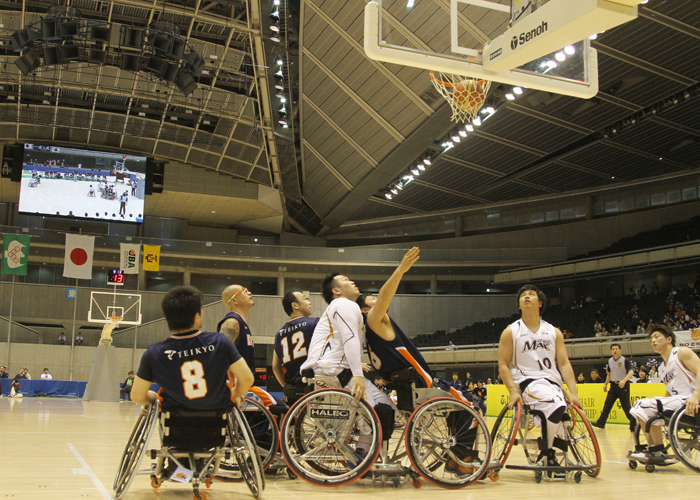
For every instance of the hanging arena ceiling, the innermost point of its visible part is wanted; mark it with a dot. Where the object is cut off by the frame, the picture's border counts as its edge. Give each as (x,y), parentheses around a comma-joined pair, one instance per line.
(357,124)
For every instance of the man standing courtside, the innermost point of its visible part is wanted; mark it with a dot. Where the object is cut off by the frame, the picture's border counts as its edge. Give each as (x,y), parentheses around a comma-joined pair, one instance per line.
(619,372)
(239,301)
(292,343)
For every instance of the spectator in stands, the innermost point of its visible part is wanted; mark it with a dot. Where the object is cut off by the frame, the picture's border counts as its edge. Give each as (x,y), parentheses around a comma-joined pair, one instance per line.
(677,326)
(46,375)
(468,380)
(656,290)
(450,347)
(625,331)
(3,372)
(615,329)
(125,391)
(581,379)
(589,299)
(653,373)
(628,314)
(62,338)
(479,394)
(79,339)
(643,290)
(643,376)
(456,383)
(641,328)
(595,377)
(488,381)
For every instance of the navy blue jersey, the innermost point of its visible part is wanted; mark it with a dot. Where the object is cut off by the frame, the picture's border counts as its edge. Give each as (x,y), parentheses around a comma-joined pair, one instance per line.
(244,343)
(192,370)
(292,344)
(388,356)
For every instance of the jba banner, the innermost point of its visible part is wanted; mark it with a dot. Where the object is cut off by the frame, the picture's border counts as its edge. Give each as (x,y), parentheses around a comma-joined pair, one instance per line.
(129,258)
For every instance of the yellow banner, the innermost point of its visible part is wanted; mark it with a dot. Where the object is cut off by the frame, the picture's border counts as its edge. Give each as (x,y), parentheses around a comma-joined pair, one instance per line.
(592,398)
(151,258)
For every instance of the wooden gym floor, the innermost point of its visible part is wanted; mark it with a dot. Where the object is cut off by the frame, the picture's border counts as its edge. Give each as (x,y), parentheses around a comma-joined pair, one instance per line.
(57,449)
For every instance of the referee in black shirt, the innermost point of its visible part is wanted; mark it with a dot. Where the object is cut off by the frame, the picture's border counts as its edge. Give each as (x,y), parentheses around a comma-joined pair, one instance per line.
(619,370)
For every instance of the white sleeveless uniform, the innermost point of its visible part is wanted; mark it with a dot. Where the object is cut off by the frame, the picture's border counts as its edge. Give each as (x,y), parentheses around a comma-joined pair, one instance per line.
(534,359)
(680,384)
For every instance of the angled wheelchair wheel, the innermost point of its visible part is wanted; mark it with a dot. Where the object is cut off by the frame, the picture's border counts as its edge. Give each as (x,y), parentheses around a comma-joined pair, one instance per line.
(684,431)
(265,433)
(135,449)
(329,439)
(246,452)
(505,432)
(448,443)
(583,444)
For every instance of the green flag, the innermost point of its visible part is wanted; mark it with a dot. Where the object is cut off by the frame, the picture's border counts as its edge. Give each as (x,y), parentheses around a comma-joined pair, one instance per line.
(15,254)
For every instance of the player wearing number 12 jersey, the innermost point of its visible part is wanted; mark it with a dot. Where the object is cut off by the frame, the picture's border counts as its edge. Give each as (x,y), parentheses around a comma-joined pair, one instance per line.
(293,339)
(192,367)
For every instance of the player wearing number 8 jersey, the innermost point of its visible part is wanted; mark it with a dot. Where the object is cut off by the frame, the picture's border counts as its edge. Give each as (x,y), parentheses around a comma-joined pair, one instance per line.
(192,367)
(529,353)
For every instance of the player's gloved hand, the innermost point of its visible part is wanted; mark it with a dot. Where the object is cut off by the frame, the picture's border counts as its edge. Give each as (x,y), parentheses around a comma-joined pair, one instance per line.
(691,405)
(358,388)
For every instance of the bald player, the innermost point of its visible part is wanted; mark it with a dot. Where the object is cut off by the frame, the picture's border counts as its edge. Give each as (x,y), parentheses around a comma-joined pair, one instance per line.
(239,301)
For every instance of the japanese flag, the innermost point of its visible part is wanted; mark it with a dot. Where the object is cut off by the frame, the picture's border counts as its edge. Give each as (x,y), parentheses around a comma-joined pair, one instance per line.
(78,259)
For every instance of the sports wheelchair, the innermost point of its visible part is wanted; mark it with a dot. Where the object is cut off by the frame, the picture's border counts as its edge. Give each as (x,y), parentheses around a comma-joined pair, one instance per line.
(330,440)
(193,442)
(577,448)
(681,434)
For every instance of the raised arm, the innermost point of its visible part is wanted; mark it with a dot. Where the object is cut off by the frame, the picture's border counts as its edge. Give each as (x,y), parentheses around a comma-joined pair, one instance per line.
(377,317)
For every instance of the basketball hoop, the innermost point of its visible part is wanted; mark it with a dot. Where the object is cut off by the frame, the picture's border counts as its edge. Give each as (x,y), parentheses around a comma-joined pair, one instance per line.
(465,95)
(116,319)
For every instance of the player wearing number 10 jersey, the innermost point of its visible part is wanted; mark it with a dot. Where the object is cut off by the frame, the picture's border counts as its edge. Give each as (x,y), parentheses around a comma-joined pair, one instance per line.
(192,367)
(293,339)
(532,360)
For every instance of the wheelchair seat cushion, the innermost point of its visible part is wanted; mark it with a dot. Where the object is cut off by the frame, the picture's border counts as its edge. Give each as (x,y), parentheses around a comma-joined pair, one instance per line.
(189,430)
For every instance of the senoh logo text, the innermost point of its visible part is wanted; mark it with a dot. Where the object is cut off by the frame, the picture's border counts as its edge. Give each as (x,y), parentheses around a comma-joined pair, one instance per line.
(527,36)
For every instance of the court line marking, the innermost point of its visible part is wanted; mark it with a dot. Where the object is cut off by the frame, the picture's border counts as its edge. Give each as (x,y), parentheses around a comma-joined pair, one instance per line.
(88,470)
(287,492)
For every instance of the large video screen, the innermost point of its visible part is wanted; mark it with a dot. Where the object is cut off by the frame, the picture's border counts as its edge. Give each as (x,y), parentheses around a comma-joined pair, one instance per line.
(82,184)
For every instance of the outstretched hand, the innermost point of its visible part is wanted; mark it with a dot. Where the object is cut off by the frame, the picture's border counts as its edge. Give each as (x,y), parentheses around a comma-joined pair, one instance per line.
(409,259)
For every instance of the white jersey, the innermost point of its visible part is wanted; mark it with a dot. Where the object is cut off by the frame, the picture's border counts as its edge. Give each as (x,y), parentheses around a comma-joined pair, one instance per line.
(534,353)
(678,379)
(337,340)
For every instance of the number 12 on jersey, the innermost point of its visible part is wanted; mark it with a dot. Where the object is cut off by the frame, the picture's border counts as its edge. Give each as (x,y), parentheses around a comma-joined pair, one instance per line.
(299,348)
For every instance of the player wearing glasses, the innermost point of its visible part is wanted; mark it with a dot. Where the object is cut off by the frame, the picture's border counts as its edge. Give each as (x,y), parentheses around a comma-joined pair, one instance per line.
(239,301)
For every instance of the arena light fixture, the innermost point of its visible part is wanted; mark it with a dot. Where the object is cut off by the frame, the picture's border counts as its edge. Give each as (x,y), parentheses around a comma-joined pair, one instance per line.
(510,96)
(517,90)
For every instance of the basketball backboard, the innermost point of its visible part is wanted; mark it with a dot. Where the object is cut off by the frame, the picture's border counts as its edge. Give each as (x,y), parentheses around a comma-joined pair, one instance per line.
(104,306)
(516,42)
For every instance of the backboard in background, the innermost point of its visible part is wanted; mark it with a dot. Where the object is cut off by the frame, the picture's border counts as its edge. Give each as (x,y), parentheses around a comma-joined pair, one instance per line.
(106,305)
(538,44)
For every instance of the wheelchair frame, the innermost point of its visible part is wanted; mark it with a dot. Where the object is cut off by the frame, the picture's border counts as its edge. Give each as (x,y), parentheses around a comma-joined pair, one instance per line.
(682,435)
(242,446)
(428,439)
(582,452)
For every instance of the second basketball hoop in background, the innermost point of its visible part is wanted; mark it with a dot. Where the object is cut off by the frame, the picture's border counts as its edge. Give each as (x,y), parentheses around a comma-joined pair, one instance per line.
(466,96)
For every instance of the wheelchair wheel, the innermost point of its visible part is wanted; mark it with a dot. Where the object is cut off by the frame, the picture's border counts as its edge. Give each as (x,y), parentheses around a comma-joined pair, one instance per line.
(583,444)
(265,433)
(684,432)
(505,432)
(135,449)
(448,443)
(245,451)
(321,436)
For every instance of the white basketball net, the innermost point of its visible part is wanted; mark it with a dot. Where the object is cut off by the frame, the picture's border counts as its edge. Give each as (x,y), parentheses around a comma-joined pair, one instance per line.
(465,95)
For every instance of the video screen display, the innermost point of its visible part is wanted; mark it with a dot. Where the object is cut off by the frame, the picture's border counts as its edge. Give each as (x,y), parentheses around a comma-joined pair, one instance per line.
(83,184)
